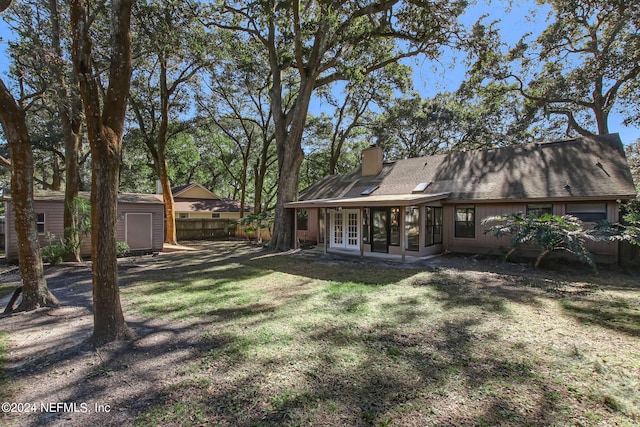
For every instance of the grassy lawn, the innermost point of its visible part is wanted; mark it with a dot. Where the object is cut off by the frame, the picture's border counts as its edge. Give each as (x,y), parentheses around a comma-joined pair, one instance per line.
(299,341)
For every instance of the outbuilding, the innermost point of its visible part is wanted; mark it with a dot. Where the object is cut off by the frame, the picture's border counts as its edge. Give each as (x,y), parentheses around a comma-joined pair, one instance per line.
(140,222)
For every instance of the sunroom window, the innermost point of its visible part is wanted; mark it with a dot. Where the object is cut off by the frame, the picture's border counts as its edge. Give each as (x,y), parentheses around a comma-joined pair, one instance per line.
(433,226)
(412,228)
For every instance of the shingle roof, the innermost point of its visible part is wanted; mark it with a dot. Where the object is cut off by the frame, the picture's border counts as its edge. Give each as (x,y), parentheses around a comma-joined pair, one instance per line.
(58,196)
(208,205)
(586,167)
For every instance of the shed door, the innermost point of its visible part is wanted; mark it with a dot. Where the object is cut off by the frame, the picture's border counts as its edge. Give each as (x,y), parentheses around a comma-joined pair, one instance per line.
(138,231)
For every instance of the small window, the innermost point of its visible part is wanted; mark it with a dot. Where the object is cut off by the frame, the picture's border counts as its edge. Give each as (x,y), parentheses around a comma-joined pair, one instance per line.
(215,215)
(538,210)
(465,221)
(40,223)
(412,228)
(588,212)
(303,220)
(433,226)
(183,215)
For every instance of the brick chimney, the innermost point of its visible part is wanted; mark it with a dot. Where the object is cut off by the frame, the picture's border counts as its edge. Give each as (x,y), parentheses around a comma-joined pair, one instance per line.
(371,161)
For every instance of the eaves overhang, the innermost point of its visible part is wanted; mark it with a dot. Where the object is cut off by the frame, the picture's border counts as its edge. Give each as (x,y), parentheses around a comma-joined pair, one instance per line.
(368,201)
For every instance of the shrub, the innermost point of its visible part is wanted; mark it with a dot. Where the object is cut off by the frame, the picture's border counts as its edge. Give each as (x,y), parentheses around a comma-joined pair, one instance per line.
(122,249)
(549,232)
(626,231)
(55,252)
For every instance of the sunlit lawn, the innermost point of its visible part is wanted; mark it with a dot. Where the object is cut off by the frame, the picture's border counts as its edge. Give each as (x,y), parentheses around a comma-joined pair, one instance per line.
(301,341)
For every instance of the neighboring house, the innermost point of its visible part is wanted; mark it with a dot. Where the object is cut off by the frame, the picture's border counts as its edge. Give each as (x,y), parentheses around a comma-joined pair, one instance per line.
(140,222)
(429,205)
(195,201)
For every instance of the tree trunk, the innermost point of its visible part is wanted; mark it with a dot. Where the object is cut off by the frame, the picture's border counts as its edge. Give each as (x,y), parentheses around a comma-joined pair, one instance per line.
(109,324)
(543,254)
(35,292)
(56,175)
(287,191)
(243,180)
(68,108)
(290,157)
(170,236)
(71,217)
(105,127)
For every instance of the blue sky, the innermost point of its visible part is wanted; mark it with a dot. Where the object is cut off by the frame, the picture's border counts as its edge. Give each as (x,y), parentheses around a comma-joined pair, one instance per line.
(446,75)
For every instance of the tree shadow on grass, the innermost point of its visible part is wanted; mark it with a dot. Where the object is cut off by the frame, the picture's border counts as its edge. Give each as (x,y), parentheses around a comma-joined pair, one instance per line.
(395,379)
(618,314)
(340,370)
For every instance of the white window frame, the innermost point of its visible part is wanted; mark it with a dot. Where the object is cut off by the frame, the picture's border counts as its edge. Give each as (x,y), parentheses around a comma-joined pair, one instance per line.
(345,228)
(43,223)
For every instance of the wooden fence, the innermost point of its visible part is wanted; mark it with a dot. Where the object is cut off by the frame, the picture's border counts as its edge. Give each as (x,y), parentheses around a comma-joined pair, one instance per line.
(213,229)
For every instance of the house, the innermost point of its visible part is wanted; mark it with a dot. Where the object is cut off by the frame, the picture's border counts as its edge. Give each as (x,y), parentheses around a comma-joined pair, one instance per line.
(429,205)
(140,222)
(195,201)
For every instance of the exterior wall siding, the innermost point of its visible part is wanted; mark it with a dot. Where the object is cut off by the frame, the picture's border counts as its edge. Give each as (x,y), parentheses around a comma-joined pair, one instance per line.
(606,252)
(312,232)
(157,221)
(54,225)
(481,243)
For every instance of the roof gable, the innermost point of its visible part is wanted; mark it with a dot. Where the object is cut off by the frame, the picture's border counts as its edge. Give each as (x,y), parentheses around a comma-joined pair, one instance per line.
(193,191)
(587,167)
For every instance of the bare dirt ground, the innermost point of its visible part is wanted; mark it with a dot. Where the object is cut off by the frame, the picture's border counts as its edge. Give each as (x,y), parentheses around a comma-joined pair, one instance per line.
(58,378)
(52,362)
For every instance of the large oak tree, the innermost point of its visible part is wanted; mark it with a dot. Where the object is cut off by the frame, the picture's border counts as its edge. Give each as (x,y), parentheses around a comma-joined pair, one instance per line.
(105,118)
(322,42)
(35,292)
(584,64)
(55,116)
(170,51)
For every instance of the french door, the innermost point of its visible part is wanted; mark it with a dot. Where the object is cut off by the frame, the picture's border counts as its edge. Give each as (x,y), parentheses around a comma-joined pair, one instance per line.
(345,229)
